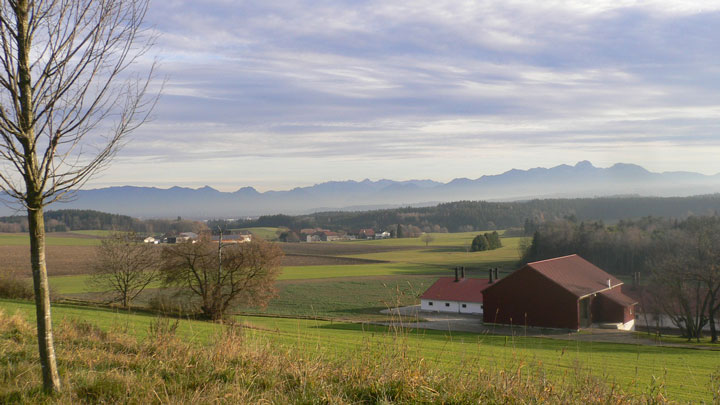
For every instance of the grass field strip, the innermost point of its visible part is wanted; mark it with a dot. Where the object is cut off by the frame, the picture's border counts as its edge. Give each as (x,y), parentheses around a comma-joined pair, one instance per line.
(684,373)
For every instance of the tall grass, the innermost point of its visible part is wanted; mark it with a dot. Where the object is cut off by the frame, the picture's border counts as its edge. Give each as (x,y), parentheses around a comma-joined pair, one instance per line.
(238,367)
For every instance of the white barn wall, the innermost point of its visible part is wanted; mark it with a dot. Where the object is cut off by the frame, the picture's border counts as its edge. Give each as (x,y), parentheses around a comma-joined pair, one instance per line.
(472,308)
(454,306)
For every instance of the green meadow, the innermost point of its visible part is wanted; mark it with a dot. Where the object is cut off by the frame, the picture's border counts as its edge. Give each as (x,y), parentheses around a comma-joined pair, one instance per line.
(93,232)
(682,374)
(266,233)
(458,239)
(450,254)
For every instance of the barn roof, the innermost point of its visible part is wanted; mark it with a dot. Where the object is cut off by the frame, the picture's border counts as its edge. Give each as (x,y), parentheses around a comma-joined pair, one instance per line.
(617,295)
(575,274)
(466,289)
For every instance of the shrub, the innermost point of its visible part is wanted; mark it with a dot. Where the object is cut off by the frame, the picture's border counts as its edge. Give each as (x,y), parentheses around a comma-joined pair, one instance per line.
(14,287)
(167,305)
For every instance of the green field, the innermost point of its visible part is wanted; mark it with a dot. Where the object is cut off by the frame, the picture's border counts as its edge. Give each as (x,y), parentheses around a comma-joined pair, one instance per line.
(459,239)
(357,298)
(266,233)
(684,374)
(451,255)
(77,284)
(93,232)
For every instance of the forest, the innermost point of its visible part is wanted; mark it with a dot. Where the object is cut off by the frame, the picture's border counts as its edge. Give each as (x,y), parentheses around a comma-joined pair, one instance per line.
(467,216)
(74,220)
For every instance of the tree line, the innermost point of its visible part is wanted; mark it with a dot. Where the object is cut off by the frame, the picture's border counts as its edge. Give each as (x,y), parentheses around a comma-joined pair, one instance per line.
(75,220)
(468,216)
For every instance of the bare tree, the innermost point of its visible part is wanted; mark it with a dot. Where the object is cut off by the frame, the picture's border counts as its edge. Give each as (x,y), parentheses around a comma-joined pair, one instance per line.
(686,278)
(707,273)
(67,100)
(223,274)
(427,238)
(125,266)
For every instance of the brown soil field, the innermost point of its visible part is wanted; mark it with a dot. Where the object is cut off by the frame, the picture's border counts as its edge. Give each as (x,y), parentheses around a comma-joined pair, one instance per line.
(338,249)
(316,260)
(73,235)
(61,260)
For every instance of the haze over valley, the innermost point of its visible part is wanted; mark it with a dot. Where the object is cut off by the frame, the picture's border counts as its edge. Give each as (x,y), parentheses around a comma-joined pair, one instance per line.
(582,179)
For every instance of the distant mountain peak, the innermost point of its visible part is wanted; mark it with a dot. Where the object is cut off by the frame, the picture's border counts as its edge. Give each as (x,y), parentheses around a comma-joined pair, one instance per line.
(207,188)
(246,190)
(584,164)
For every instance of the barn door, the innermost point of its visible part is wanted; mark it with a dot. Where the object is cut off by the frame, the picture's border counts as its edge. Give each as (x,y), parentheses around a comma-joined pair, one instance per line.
(585,317)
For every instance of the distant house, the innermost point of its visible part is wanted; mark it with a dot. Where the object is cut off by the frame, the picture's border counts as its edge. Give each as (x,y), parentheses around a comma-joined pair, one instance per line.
(331,236)
(323,235)
(455,294)
(565,292)
(366,234)
(152,240)
(186,236)
(382,235)
(307,231)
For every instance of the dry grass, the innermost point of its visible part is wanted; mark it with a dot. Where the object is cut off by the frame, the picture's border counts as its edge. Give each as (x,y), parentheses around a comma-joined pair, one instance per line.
(114,367)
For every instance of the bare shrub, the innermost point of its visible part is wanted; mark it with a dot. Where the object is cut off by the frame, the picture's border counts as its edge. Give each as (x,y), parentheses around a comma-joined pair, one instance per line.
(14,287)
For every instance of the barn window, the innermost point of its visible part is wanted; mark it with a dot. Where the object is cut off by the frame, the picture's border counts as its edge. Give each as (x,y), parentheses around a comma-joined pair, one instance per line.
(447,304)
(430,303)
(481,306)
(464,305)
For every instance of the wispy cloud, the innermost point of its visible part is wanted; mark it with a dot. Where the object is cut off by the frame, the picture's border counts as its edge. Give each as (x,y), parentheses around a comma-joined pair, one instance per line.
(352,84)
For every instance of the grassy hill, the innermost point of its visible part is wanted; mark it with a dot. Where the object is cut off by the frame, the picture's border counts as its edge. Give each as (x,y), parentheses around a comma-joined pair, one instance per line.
(102,356)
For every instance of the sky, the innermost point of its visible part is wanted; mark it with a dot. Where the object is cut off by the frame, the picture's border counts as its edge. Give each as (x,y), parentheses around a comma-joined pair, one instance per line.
(288,93)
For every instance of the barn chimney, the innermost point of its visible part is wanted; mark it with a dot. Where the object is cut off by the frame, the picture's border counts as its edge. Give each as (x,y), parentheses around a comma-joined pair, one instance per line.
(462,272)
(609,285)
(496,274)
(490,276)
(456,274)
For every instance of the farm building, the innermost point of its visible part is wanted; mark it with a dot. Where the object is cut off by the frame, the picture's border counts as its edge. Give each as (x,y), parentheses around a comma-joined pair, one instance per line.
(565,292)
(455,294)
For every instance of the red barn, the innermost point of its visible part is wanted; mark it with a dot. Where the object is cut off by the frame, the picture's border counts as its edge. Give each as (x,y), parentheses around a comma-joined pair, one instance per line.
(565,292)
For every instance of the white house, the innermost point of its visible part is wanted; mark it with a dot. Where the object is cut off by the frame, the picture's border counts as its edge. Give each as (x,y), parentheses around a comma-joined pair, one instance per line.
(455,294)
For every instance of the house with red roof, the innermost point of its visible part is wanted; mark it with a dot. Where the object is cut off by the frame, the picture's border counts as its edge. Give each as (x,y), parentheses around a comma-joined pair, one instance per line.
(455,294)
(565,292)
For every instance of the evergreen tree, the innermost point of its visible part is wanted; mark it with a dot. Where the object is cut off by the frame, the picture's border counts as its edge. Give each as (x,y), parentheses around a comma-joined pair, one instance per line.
(479,244)
(493,240)
(399,232)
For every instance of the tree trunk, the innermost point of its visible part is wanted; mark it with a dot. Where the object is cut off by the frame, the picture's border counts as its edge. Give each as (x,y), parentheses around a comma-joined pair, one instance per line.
(36,222)
(712,311)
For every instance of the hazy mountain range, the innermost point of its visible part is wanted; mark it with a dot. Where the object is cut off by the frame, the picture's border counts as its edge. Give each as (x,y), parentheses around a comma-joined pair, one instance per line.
(580,180)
